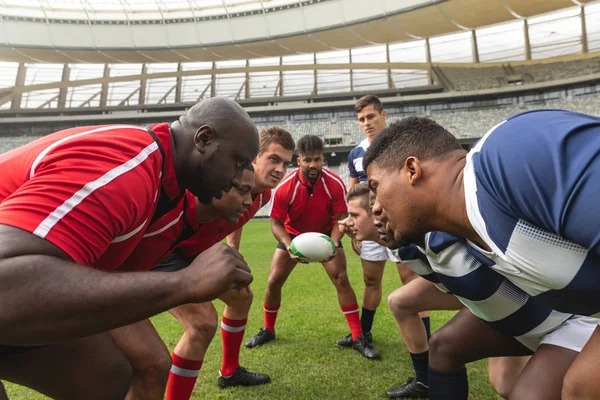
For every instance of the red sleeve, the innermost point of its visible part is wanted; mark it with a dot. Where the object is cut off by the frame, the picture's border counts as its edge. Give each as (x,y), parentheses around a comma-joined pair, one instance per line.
(280,203)
(339,202)
(83,199)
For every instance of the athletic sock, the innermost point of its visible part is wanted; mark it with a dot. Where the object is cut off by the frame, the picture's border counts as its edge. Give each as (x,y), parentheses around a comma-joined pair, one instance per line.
(270,316)
(427,323)
(353,320)
(448,385)
(366,320)
(182,378)
(420,362)
(232,333)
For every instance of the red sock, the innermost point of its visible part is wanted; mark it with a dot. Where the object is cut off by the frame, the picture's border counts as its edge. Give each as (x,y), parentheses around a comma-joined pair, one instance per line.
(270,316)
(232,333)
(353,318)
(182,378)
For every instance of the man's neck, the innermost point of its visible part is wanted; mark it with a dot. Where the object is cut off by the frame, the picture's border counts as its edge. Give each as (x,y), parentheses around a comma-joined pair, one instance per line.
(450,205)
(204,213)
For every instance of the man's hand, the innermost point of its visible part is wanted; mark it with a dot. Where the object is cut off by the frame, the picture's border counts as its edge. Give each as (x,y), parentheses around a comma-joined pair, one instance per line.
(344,228)
(215,271)
(356,244)
(295,257)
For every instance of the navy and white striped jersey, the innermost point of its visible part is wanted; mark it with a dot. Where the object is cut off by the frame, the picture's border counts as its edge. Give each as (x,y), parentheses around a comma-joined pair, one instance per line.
(532,190)
(355,161)
(457,267)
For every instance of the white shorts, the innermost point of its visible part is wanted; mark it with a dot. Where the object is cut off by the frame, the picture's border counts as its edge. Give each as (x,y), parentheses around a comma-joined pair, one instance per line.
(373,251)
(572,334)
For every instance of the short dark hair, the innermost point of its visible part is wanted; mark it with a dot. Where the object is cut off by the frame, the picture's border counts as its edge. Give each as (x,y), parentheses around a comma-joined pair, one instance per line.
(360,191)
(277,135)
(368,100)
(421,137)
(310,144)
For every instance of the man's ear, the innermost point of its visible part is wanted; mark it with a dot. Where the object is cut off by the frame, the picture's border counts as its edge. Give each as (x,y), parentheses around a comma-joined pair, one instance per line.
(384,114)
(413,169)
(204,137)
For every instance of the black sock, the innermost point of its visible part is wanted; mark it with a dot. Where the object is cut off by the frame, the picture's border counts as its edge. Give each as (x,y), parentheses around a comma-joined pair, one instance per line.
(366,320)
(427,324)
(448,385)
(420,363)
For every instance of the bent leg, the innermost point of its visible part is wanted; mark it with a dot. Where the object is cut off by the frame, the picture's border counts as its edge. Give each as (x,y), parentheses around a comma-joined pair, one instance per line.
(90,368)
(581,381)
(148,356)
(504,371)
(542,377)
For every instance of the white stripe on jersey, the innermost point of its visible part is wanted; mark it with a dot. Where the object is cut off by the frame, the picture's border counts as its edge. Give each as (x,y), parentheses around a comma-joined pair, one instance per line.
(126,236)
(339,182)
(470,188)
(61,211)
(290,176)
(164,228)
(44,152)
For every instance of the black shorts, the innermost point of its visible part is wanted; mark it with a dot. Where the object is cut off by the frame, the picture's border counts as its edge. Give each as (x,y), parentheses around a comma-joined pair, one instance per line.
(282,246)
(173,262)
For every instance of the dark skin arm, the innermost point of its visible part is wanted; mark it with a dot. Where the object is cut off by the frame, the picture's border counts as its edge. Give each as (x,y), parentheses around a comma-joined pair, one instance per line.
(46,298)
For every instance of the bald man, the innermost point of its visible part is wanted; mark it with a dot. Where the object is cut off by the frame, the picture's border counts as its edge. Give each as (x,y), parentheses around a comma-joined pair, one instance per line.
(82,198)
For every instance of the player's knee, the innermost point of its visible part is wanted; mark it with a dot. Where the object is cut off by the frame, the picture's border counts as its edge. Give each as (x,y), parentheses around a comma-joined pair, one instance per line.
(398,303)
(114,382)
(372,281)
(579,387)
(341,281)
(203,327)
(501,384)
(442,354)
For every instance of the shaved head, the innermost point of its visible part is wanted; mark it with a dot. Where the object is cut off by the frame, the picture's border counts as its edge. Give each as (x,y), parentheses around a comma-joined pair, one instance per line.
(215,140)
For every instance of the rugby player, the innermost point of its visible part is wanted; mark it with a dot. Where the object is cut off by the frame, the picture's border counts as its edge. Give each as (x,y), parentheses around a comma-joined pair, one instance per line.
(310,199)
(82,198)
(172,243)
(526,195)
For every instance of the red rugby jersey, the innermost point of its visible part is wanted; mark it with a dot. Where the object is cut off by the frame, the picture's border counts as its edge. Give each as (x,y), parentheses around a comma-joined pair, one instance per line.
(162,236)
(91,191)
(304,211)
(217,230)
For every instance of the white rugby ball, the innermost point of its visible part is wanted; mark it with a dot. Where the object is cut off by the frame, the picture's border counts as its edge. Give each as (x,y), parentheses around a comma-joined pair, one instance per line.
(313,246)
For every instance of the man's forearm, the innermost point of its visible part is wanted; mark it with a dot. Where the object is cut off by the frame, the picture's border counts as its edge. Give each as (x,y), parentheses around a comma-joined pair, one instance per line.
(234,238)
(46,300)
(280,233)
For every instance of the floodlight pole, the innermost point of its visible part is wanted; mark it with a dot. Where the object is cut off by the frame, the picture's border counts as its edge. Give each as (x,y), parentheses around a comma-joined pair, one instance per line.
(178,84)
(428,61)
(62,92)
(526,37)
(19,81)
(351,70)
(584,37)
(104,91)
(315,87)
(474,48)
(390,81)
(213,80)
(247,88)
(142,94)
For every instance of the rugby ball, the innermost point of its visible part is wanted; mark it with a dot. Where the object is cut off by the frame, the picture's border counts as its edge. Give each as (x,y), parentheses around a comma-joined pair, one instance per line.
(313,246)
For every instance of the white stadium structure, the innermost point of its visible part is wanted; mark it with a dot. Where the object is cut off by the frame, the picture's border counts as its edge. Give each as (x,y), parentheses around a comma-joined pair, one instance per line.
(299,64)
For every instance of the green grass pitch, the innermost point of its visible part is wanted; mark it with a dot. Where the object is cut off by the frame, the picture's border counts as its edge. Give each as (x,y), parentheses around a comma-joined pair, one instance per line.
(304,362)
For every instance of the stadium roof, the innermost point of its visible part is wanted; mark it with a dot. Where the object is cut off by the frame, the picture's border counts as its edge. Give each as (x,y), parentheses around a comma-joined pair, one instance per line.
(142,31)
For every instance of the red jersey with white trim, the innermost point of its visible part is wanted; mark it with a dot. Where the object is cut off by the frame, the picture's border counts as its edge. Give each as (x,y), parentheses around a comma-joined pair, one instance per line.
(213,232)
(309,208)
(162,236)
(90,191)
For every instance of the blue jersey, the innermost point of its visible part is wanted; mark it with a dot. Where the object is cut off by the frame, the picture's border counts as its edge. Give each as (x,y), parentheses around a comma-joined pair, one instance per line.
(355,161)
(532,191)
(458,268)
